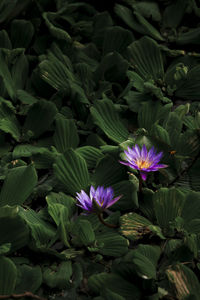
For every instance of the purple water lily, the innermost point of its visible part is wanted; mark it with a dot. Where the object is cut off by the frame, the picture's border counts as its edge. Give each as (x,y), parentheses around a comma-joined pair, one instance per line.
(98,200)
(143,160)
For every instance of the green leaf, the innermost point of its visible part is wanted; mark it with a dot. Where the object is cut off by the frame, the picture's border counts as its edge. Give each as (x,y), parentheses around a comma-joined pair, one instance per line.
(174,13)
(6,75)
(116,39)
(147,204)
(42,232)
(84,231)
(18,39)
(149,29)
(189,144)
(85,75)
(102,21)
(61,208)
(11,127)
(194,176)
(190,37)
(16,233)
(193,226)
(60,215)
(66,135)
(141,139)
(60,277)
(8,276)
(39,117)
(148,10)
(173,125)
(184,280)
(91,155)
(182,110)
(191,240)
(107,118)
(61,198)
(115,283)
(135,99)
(44,160)
(189,89)
(112,243)
(160,134)
(191,208)
(27,150)
(145,56)
(136,80)
(5,40)
(112,68)
(5,248)
(6,8)
(128,189)
(8,120)
(145,259)
(25,97)
(71,170)
(18,185)
(129,19)
(153,90)
(77,274)
(134,226)
(192,123)
(157,231)
(20,71)
(109,295)
(172,245)
(151,112)
(58,72)
(108,172)
(28,278)
(168,204)
(56,32)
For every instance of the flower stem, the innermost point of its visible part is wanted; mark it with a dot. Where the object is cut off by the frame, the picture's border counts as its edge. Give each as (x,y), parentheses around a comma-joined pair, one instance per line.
(140,184)
(100,216)
(26,294)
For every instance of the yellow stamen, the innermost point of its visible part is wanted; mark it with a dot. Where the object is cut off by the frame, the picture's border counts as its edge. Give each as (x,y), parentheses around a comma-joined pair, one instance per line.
(143,164)
(101,201)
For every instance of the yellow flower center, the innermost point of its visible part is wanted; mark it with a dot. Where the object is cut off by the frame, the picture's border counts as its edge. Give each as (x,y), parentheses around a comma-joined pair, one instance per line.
(101,201)
(143,164)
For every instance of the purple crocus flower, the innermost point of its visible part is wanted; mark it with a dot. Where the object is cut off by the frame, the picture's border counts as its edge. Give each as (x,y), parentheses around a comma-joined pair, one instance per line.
(98,200)
(143,160)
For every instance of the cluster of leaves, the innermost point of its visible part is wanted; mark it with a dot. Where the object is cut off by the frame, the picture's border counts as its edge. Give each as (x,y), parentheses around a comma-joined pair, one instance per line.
(79,82)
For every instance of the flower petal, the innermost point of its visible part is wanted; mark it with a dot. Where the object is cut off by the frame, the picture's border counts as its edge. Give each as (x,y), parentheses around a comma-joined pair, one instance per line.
(144,153)
(157,157)
(84,201)
(130,156)
(113,201)
(137,151)
(151,154)
(130,164)
(143,160)
(157,167)
(92,192)
(143,175)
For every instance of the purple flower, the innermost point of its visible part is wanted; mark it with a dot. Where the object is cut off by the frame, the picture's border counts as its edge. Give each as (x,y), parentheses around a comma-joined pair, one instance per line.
(143,160)
(98,200)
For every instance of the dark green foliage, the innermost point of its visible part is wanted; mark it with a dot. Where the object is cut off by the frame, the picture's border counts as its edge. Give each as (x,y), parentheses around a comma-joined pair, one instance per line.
(13,228)
(71,170)
(29,278)
(8,275)
(79,83)
(18,185)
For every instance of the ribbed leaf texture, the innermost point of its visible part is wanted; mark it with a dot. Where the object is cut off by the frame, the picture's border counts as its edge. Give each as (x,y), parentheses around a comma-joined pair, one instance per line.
(107,118)
(71,170)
